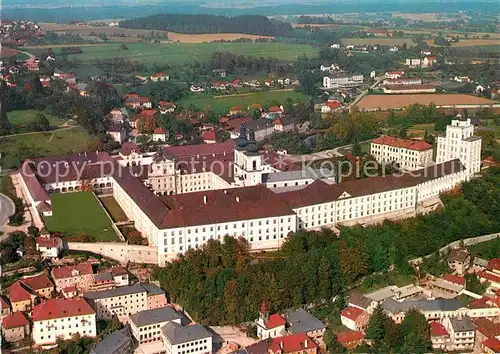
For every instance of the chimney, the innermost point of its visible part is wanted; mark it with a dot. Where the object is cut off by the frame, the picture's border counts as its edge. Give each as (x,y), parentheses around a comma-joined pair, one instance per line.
(238,199)
(204,199)
(305,343)
(281,345)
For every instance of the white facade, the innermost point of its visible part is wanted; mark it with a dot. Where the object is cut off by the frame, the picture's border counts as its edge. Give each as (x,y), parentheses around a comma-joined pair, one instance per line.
(120,301)
(201,343)
(407,158)
(460,143)
(460,339)
(48,331)
(342,81)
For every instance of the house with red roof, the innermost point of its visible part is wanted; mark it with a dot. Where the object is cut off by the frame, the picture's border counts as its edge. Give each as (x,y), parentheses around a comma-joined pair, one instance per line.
(80,275)
(160,134)
(160,76)
(293,344)
(491,275)
(270,326)
(440,337)
(32,64)
(209,136)
(62,318)
(491,346)
(276,110)
(409,154)
(330,106)
(354,318)
(449,284)
(15,327)
(166,107)
(350,339)
(24,292)
(49,247)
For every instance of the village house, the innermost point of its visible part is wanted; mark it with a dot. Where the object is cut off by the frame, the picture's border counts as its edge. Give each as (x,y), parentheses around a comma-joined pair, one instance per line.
(166,107)
(161,76)
(301,321)
(15,327)
(449,285)
(49,247)
(209,136)
(491,346)
(235,110)
(462,333)
(160,134)
(102,281)
(62,319)
(24,293)
(32,64)
(459,260)
(117,132)
(80,275)
(491,275)
(354,318)
(283,81)
(440,337)
(146,326)
(269,326)
(350,339)
(394,74)
(293,344)
(330,106)
(69,78)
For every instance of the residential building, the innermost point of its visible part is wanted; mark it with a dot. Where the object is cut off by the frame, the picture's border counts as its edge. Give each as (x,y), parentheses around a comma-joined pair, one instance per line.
(491,275)
(49,247)
(301,321)
(40,285)
(20,298)
(209,136)
(440,337)
(123,301)
(342,81)
(24,293)
(293,344)
(120,276)
(117,132)
(411,81)
(354,318)
(459,260)
(119,342)
(426,62)
(449,284)
(350,339)
(408,154)
(437,309)
(269,326)
(102,281)
(160,76)
(332,68)
(160,134)
(491,346)
(485,307)
(146,326)
(193,339)
(167,107)
(15,327)
(330,106)
(462,333)
(460,143)
(80,275)
(62,318)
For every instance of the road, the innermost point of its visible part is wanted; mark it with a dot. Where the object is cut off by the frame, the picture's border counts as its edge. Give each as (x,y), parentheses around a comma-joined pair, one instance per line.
(363,93)
(7,208)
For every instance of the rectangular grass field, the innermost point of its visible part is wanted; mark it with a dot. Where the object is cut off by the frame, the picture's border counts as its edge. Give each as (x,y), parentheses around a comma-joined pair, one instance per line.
(221,105)
(80,212)
(178,53)
(23,117)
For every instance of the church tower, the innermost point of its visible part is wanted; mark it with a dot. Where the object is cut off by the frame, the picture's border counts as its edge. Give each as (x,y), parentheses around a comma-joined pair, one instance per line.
(248,161)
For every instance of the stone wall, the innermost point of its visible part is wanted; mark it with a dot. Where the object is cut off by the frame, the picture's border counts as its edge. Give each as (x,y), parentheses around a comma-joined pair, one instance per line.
(120,252)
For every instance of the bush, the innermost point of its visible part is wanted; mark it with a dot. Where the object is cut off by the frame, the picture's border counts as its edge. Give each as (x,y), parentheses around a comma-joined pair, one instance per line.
(81,238)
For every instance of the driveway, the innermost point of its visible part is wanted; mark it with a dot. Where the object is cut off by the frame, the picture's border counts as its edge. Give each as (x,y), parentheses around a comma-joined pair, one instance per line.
(7,209)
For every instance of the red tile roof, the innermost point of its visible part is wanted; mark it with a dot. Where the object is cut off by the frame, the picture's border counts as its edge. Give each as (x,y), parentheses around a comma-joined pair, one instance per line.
(275,109)
(494,264)
(275,320)
(144,99)
(480,303)
(70,289)
(235,123)
(438,330)
(350,336)
(18,293)
(43,207)
(278,122)
(17,319)
(236,109)
(48,242)
(201,150)
(292,343)
(37,192)
(352,313)
(489,276)
(492,344)
(160,74)
(160,130)
(402,143)
(129,147)
(333,104)
(487,327)
(61,308)
(3,304)
(455,279)
(209,135)
(66,272)
(116,271)
(38,282)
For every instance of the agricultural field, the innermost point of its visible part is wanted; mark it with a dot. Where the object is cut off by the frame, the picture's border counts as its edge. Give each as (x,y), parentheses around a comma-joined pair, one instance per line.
(161,53)
(25,117)
(15,149)
(417,131)
(78,213)
(468,43)
(131,35)
(378,41)
(222,104)
(386,102)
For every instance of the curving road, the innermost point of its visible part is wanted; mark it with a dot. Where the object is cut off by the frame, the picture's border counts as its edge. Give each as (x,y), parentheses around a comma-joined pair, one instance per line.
(7,208)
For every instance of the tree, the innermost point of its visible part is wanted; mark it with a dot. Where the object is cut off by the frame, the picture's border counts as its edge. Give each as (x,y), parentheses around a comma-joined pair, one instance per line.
(353,262)
(415,331)
(308,83)
(5,125)
(473,284)
(29,245)
(356,148)
(33,231)
(146,124)
(41,123)
(288,106)
(353,125)
(403,133)
(376,330)
(123,46)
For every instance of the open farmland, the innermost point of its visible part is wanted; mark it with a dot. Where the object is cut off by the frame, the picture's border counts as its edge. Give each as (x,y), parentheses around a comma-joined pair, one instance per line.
(378,41)
(469,43)
(387,102)
(221,105)
(131,35)
(177,53)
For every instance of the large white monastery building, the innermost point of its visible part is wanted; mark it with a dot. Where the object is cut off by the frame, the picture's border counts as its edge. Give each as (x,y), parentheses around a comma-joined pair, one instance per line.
(181,197)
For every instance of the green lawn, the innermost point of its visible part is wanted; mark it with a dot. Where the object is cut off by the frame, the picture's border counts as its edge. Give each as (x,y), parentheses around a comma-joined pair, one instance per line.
(178,53)
(24,117)
(223,104)
(418,130)
(16,149)
(114,209)
(80,212)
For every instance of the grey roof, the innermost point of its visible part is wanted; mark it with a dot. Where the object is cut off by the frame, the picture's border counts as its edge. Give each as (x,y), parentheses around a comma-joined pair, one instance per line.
(457,255)
(152,289)
(103,276)
(176,334)
(394,306)
(261,347)
(473,138)
(308,173)
(301,321)
(259,124)
(480,262)
(463,324)
(358,299)
(123,290)
(153,316)
(382,294)
(113,343)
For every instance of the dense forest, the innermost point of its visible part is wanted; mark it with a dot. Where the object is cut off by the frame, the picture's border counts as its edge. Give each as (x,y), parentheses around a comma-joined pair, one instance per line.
(213,282)
(250,24)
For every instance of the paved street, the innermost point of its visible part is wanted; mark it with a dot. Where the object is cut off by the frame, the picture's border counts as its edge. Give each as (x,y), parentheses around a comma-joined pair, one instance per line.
(7,208)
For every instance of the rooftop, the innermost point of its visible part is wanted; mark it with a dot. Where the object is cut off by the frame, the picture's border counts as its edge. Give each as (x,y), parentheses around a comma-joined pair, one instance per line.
(487,327)
(154,316)
(350,336)
(37,282)
(438,330)
(176,334)
(416,145)
(121,291)
(14,320)
(301,321)
(61,308)
(115,340)
(292,343)
(352,313)
(395,307)
(275,320)
(463,324)
(457,255)
(72,271)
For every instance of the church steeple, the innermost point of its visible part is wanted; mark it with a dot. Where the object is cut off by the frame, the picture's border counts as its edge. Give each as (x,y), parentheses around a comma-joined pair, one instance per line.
(264,312)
